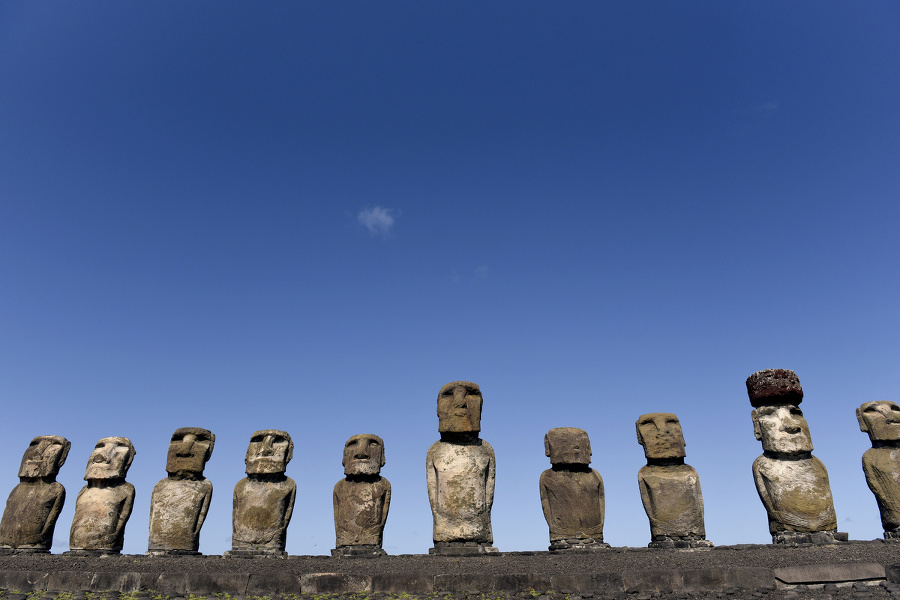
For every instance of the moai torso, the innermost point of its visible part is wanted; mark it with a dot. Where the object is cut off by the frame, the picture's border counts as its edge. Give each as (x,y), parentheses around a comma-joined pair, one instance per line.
(30,515)
(672,500)
(177,510)
(796,494)
(33,506)
(461,490)
(360,511)
(882,469)
(573,503)
(262,512)
(100,517)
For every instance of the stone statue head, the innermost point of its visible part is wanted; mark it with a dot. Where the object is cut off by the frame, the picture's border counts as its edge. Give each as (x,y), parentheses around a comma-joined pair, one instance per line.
(363,455)
(269,451)
(568,446)
(880,419)
(110,459)
(661,436)
(459,407)
(782,429)
(44,456)
(189,450)
(774,386)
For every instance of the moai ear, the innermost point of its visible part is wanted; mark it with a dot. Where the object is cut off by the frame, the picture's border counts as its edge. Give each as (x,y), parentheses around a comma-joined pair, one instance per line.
(547,444)
(637,428)
(862,423)
(756,430)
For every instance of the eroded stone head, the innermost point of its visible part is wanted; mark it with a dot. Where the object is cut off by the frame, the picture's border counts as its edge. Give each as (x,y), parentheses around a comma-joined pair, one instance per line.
(110,459)
(880,419)
(568,446)
(782,429)
(189,450)
(459,408)
(363,455)
(774,386)
(661,436)
(269,452)
(45,455)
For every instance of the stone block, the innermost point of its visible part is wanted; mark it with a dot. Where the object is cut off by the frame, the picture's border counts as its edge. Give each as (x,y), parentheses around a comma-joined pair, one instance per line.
(587,583)
(704,580)
(334,583)
(266,584)
(207,584)
(463,582)
(69,581)
(173,584)
(750,578)
(830,573)
(520,582)
(105,581)
(23,581)
(652,580)
(892,573)
(397,584)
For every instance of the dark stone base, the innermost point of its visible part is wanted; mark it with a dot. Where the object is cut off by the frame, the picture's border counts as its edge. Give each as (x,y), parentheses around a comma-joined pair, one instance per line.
(242,553)
(11,551)
(462,549)
(577,545)
(361,551)
(668,542)
(161,552)
(894,534)
(809,537)
(87,552)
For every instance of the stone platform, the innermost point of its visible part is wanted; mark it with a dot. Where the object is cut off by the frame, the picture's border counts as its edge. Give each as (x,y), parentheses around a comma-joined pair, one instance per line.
(854,568)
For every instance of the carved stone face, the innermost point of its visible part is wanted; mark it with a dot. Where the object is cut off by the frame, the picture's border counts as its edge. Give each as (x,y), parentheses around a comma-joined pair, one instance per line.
(44,456)
(363,455)
(189,450)
(269,451)
(661,436)
(110,459)
(459,407)
(782,429)
(568,446)
(880,419)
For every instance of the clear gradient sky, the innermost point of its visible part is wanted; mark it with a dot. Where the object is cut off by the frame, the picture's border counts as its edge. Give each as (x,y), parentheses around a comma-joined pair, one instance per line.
(311,215)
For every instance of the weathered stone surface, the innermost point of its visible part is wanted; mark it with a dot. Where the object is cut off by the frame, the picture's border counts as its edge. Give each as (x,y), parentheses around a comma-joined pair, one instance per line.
(123,582)
(398,583)
(104,505)
(833,573)
(179,503)
(652,580)
(25,581)
(362,499)
(267,584)
(69,581)
(774,386)
(586,583)
(791,482)
(264,500)
(334,583)
(670,489)
(881,463)
(460,471)
(34,504)
(572,494)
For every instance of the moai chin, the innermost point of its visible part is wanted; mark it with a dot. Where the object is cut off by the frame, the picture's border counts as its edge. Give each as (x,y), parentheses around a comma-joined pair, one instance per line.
(104,504)
(362,499)
(881,462)
(179,503)
(35,503)
(460,470)
(264,500)
(572,492)
(791,482)
(670,489)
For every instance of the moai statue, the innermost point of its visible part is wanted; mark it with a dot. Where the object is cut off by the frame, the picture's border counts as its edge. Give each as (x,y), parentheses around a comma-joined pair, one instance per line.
(791,482)
(881,462)
(572,492)
(179,502)
(264,499)
(34,504)
(361,499)
(670,489)
(460,471)
(104,504)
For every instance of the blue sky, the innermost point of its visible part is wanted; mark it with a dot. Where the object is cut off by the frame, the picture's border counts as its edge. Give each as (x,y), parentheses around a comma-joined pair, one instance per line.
(311,215)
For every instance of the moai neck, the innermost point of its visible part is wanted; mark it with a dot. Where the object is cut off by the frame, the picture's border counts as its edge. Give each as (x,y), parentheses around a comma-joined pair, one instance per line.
(106,482)
(267,477)
(785,456)
(571,467)
(666,462)
(460,437)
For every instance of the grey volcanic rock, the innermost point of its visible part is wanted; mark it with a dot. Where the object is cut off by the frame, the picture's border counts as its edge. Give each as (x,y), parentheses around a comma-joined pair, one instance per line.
(362,499)
(881,462)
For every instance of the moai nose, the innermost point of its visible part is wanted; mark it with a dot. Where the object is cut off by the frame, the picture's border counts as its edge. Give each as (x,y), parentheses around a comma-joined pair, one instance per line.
(268,445)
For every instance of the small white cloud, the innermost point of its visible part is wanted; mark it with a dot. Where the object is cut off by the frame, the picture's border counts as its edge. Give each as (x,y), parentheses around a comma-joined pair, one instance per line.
(378,220)
(481,271)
